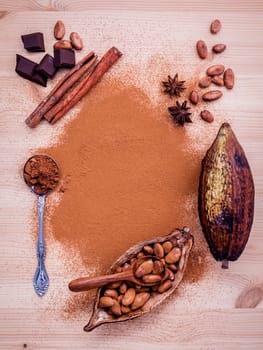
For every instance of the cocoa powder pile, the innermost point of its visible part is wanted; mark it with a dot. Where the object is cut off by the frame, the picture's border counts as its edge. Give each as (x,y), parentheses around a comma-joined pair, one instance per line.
(128,175)
(41,173)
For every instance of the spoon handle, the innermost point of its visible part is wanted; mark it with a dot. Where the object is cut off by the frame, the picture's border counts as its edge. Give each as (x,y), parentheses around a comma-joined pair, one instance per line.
(41,280)
(86,283)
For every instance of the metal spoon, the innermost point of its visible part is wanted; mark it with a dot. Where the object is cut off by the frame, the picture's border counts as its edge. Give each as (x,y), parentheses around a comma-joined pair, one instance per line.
(87,283)
(41,280)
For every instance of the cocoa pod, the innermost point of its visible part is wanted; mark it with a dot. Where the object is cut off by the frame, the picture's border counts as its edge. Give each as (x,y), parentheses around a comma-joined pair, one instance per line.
(226,197)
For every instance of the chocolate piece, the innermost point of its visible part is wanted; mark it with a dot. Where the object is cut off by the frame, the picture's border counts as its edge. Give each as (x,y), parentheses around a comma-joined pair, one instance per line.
(47,66)
(26,69)
(33,42)
(64,58)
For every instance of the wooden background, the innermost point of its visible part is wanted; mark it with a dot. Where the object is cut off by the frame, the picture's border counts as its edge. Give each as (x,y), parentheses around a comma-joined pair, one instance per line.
(24,321)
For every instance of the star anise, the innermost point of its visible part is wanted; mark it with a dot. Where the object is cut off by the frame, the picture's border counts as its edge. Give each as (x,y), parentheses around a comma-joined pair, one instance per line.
(173,86)
(180,113)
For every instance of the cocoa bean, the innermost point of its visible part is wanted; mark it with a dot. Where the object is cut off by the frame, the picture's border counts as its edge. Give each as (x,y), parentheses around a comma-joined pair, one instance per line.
(229,78)
(207,116)
(144,268)
(215,26)
(165,286)
(111,293)
(62,44)
(148,249)
(158,267)
(212,95)
(123,288)
(218,48)
(201,49)
(158,250)
(194,97)
(76,41)
(116,309)
(173,256)
(217,80)
(151,278)
(128,297)
(59,30)
(204,82)
(216,69)
(106,302)
(125,309)
(140,300)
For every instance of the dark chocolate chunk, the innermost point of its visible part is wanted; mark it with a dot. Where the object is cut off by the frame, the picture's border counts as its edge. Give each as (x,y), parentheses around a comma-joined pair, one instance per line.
(64,58)
(26,69)
(33,42)
(47,66)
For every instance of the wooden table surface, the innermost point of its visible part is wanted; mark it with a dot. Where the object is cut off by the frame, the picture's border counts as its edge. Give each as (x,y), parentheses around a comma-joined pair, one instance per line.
(207,325)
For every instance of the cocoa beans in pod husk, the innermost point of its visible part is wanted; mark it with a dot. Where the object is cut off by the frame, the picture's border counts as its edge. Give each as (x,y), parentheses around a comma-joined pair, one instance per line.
(138,300)
(226,197)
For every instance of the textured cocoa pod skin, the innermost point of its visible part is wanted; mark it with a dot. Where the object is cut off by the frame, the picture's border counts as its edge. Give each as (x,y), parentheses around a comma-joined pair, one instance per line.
(226,197)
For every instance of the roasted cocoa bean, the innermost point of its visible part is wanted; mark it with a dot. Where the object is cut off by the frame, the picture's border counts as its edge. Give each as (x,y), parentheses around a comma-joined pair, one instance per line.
(148,250)
(76,41)
(229,78)
(173,256)
(165,286)
(194,97)
(123,288)
(140,300)
(204,82)
(207,116)
(111,293)
(215,26)
(216,69)
(158,250)
(212,95)
(201,49)
(144,268)
(217,80)
(63,44)
(128,297)
(218,48)
(59,30)
(151,278)
(106,302)
(116,309)
(158,267)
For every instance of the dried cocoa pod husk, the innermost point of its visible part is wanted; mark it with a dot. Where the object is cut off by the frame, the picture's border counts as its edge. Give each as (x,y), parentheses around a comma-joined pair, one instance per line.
(185,241)
(226,197)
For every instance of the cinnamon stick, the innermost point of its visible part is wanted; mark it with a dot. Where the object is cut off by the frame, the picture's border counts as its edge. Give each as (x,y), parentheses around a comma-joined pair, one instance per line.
(81,89)
(60,88)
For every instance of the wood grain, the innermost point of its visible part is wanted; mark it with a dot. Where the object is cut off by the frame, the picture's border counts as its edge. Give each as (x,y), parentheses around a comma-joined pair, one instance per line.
(212,322)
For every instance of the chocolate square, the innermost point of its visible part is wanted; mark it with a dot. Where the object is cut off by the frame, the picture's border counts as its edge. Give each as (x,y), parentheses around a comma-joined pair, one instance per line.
(33,42)
(64,58)
(26,69)
(47,66)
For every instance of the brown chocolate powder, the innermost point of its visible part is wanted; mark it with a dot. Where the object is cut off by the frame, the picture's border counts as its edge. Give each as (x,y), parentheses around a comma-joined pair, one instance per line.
(128,175)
